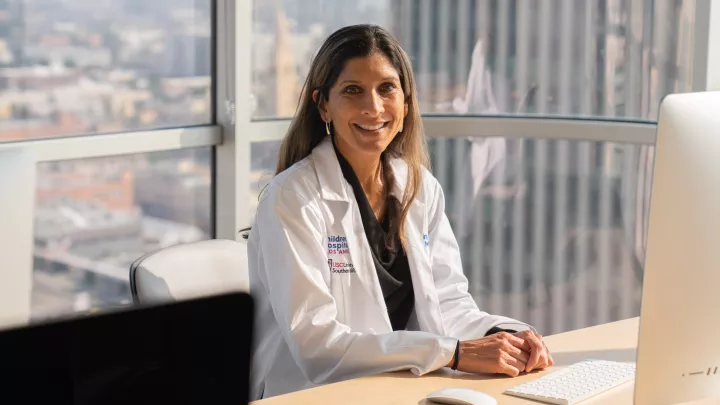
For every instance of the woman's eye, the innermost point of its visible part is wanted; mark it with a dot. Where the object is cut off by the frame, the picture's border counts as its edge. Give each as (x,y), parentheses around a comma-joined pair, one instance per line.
(351,90)
(387,87)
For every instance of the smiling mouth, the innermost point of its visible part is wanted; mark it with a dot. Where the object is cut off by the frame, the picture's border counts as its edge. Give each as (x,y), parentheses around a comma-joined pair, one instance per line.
(372,128)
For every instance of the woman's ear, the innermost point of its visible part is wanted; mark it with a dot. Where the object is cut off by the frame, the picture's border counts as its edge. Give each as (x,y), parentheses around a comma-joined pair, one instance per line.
(317,99)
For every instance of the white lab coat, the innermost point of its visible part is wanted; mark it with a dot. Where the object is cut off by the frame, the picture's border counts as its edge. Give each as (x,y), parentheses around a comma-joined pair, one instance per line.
(321,315)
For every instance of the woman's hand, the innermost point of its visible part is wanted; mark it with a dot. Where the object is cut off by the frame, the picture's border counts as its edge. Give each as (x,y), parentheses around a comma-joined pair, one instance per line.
(500,353)
(504,353)
(539,354)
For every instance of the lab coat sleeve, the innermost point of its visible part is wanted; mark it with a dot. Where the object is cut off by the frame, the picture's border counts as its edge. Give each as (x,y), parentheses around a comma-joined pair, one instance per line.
(462,318)
(293,242)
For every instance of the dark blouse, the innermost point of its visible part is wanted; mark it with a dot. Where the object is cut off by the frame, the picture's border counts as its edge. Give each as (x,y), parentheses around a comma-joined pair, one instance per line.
(391,262)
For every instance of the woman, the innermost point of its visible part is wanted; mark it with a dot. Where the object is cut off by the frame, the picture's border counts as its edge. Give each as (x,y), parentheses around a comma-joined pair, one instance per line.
(353,264)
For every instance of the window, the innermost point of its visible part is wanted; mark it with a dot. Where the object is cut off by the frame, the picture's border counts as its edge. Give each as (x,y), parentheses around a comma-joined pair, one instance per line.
(264,157)
(84,67)
(95,217)
(592,58)
(551,232)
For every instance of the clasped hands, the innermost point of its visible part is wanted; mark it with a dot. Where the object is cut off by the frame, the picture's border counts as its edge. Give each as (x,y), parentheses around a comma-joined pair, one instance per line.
(504,353)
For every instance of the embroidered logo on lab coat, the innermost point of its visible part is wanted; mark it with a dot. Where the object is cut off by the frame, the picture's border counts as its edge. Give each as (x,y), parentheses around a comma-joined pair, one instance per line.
(340,267)
(339,255)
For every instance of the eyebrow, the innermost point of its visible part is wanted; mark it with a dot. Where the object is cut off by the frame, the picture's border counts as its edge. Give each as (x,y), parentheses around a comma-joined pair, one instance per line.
(383,79)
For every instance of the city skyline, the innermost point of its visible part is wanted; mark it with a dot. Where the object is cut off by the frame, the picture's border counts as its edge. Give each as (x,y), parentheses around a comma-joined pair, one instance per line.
(73,68)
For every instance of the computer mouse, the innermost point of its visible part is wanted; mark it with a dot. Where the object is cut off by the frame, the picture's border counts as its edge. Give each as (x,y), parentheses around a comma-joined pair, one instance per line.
(460,396)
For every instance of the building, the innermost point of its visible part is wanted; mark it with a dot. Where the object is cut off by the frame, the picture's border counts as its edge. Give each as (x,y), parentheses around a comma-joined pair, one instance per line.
(575,57)
(286,34)
(113,193)
(11,32)
(90,225)
(83,252)
(188,55)
(176,192)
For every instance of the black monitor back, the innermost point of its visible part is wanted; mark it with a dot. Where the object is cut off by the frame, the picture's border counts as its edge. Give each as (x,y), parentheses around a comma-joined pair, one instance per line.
(196,351)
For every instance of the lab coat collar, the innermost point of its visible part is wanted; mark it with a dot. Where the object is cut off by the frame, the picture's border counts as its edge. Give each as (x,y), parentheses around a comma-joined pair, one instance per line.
(333,186)
(330,177)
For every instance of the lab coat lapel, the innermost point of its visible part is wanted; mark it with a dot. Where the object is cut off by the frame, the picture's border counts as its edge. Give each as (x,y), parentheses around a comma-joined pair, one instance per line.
(338,194)
(427,303)
(361,256)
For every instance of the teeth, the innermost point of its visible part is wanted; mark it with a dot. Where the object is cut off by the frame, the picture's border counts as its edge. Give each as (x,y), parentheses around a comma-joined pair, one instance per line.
(371,128)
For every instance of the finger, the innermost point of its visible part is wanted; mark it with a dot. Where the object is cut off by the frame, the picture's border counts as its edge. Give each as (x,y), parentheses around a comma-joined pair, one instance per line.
(551,362)
(542,360)
(519,365)
(542,354)
(524,336)
(545,358)
(513,339)
(535,352)
(516,353)
(506,367)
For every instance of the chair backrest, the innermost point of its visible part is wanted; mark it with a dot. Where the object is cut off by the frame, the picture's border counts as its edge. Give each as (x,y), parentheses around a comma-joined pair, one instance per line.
(190,270)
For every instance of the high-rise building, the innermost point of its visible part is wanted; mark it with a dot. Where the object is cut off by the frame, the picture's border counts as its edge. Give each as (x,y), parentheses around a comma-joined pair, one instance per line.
(188,55)
(596,57)
(287,86)
(11,32)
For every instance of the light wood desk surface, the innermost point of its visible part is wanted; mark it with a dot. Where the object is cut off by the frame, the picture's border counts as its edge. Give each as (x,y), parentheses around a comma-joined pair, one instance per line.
(614,341)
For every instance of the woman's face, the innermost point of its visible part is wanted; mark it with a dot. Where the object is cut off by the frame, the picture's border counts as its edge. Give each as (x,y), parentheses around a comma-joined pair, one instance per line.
(366,106)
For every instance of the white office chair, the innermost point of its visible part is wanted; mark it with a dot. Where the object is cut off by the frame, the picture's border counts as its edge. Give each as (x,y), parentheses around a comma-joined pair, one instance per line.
(190,270)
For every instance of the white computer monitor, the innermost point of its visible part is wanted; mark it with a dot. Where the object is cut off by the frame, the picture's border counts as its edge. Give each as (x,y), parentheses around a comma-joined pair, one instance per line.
(17,197)
(679,345)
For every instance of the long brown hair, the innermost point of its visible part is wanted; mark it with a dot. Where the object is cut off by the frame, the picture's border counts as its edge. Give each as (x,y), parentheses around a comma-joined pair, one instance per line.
(307,129)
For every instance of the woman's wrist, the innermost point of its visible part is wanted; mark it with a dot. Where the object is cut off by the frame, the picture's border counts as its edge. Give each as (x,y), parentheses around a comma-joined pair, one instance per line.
(455,360)
(456,357)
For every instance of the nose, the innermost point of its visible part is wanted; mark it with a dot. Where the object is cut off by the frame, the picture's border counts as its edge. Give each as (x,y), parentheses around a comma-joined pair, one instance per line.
(372,104)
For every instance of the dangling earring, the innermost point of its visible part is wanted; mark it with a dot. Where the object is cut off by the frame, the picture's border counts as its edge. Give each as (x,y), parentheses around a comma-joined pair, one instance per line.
(327,127)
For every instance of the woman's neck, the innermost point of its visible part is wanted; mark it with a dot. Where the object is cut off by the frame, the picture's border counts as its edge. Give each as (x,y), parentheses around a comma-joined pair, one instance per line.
(367,168)
(368,171)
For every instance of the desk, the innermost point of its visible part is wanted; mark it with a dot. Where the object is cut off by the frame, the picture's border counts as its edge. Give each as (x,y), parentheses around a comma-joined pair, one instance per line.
(614,341)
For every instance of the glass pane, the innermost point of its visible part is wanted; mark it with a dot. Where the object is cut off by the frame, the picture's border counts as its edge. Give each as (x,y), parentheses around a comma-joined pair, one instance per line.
(606,58)
(94,217)
(263,158)
(551,232)
(80,67)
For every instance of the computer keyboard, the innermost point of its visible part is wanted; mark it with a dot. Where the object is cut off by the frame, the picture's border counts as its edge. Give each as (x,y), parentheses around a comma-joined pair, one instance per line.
(576,383)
